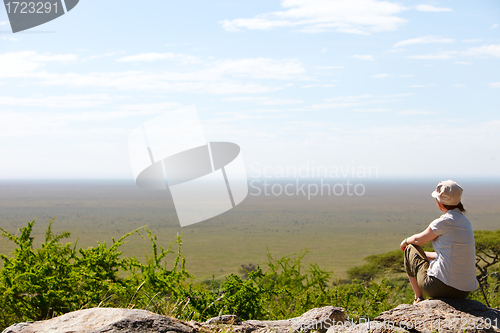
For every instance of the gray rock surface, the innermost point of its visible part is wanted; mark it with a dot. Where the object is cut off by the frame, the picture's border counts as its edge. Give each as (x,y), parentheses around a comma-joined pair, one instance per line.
(443,315)
(109,320)
(317,319)
(438,315)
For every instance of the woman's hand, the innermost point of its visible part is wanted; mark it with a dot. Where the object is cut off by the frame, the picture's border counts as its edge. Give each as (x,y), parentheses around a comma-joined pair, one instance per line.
(404,244)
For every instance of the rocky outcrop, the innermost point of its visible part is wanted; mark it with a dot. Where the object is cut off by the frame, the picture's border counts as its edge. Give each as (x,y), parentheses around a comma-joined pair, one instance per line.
(105,320)
(444,315)
(438,315)
(318,319)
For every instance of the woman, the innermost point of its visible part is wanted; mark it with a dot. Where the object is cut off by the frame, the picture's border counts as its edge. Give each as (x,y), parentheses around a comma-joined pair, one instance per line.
(449,272)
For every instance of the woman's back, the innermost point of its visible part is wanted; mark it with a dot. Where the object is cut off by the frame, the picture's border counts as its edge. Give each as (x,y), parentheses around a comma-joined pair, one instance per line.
(455,247)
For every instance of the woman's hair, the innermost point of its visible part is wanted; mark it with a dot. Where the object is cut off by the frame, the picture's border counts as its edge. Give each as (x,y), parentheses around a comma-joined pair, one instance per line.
(459,206)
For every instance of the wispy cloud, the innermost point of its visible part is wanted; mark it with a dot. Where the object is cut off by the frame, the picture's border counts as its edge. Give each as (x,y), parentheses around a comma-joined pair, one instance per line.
(25,63)
(438,56)
(367,57)
(328,85)
(495,84)
(107,54)
(422,85)
(494,26)
(381,76)
(354,16)
(415,112)
(69,101)
(12,39)
(423,40)
(385,75)
(149,57)
(3,22)
(226,76)
(357,101)
(262,68)
(430,8)
(262,100)
(376,110)
(485,50)
(330,67)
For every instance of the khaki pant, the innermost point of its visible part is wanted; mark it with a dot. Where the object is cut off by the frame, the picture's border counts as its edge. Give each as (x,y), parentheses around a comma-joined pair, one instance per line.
(416,265)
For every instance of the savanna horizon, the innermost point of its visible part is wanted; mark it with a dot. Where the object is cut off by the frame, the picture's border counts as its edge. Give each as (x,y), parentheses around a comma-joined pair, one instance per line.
(338,230)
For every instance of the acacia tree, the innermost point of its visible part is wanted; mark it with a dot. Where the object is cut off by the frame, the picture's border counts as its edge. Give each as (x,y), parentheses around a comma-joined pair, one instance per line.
(487,253)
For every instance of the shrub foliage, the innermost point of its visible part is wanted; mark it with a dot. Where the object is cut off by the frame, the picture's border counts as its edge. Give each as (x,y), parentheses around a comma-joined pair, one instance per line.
(54,278)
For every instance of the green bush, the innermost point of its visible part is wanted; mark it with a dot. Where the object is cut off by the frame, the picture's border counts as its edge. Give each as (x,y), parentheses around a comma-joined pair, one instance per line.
(55,278)
(40,283)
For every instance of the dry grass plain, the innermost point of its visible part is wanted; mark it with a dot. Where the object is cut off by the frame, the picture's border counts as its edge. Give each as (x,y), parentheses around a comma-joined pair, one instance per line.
(339,231)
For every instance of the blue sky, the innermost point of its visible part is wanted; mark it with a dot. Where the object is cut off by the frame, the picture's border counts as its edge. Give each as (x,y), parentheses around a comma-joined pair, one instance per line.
(411,87)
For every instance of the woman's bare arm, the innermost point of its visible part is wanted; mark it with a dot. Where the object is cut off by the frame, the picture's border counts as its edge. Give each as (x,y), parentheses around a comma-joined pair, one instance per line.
(419,239)
(431,255)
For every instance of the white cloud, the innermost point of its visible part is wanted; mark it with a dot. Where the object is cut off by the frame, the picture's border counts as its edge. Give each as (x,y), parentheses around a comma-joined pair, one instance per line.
(59,124)
(25,63)
(148,108)
(348,98)
(10,38)
(195,82)
(3,22)
(422,85)
(262,100)
(324,50)
(395,51)
(244,99)
(495,84)
(430,8)
(356,101)
(439,56)
(319,86)
(354,16)
(494,26)
(261,68)
(377,110)
(424,40)
(463,62)
(381,76)
(485,50)
(415,112)
(217,76)
(107,54)
(54,124)
(330,67)
(368,57)
(149,57)
(69,101)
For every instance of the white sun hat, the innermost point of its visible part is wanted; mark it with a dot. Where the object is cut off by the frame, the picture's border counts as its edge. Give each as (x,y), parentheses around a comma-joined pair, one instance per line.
(448,193)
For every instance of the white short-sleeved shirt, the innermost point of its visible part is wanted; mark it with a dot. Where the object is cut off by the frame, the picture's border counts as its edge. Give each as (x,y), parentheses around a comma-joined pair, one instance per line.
(455,264)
